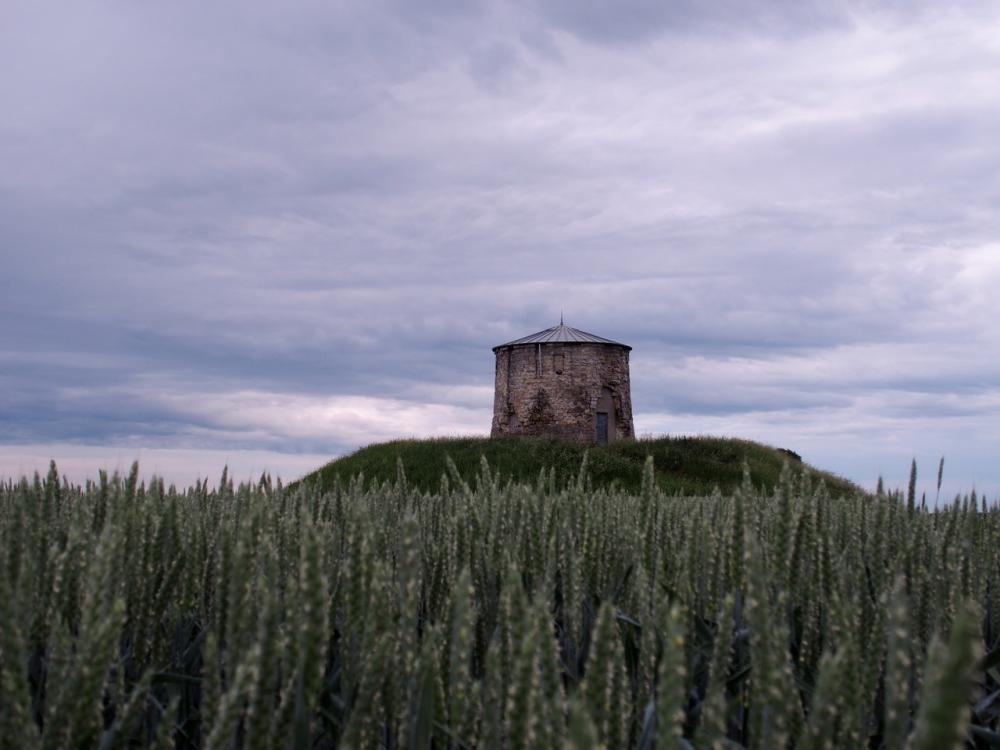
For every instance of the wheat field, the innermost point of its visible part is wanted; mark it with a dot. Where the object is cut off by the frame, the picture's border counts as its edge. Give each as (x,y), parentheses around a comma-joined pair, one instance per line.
(494,614)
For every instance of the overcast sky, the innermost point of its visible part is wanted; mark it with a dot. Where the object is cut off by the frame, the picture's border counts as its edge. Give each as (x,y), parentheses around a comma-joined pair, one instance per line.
(269,233)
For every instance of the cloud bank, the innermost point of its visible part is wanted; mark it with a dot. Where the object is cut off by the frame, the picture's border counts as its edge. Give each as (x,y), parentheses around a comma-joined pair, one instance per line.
(297,230)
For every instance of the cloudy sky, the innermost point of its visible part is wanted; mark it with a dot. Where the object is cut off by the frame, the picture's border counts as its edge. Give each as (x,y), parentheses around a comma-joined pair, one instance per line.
(269,233)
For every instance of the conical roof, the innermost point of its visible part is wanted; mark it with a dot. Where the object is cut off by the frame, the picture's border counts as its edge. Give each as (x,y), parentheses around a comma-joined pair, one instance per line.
(561,334)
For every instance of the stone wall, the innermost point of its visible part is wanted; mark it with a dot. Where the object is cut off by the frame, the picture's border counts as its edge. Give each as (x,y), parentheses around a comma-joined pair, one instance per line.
(553,389)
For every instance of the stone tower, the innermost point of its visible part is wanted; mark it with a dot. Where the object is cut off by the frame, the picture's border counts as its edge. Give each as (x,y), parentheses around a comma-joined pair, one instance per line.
(562,382)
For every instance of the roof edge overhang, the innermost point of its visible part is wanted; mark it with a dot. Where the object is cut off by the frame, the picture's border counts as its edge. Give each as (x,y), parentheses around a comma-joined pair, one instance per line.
(514,345)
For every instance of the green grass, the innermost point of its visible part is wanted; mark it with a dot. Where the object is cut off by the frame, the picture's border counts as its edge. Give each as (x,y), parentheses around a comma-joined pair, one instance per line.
(684,465)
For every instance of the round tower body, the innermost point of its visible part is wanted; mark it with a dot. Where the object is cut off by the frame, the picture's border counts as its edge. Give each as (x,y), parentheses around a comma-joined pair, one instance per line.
(563,383)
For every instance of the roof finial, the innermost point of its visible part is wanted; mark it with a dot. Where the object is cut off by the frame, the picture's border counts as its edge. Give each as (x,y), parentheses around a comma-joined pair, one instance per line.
(560,317)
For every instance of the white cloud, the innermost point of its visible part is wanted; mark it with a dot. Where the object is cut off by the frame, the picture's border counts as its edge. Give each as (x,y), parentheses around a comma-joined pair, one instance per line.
(179,466)
(349,420)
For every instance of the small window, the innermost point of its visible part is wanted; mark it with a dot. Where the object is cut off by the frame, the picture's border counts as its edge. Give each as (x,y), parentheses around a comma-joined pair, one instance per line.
(558,362)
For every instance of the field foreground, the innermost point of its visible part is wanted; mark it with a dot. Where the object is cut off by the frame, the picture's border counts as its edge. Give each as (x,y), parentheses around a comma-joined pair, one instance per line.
(494,614)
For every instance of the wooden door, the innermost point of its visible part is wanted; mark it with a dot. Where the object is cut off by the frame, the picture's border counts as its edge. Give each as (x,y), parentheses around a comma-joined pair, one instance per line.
(602,428)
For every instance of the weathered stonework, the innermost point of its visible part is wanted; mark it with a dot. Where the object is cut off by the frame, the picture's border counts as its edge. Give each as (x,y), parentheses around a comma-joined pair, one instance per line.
(557,390)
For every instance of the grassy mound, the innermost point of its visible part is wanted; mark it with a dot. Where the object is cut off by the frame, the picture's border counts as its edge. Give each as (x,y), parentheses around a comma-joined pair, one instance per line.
(684,465)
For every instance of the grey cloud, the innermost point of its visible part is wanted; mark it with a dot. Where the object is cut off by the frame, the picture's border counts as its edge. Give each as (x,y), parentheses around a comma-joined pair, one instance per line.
(491,65)
(358,202)
(637,20)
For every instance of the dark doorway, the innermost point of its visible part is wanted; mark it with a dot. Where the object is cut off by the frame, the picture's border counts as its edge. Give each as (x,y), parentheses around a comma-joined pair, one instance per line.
(607,429)
(602,428)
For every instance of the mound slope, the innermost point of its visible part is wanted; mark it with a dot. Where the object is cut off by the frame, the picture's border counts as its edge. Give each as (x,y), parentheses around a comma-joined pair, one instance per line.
(683,465)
